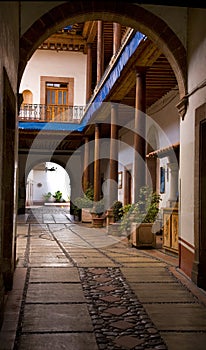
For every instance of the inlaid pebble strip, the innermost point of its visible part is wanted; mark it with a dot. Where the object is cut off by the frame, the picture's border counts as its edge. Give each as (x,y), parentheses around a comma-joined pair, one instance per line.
(119,319)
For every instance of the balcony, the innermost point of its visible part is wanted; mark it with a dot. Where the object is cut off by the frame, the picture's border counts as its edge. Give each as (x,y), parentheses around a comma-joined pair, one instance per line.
(52,113)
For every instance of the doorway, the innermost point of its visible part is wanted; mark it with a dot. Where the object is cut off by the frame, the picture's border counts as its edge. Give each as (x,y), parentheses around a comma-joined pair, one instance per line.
(199,264)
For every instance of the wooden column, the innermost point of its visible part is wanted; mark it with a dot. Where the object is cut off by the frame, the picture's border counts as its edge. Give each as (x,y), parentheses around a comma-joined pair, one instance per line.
(114,154)
(100,50)
(139,135)
(97,182)
(89,72)
(116,37)
(86,164)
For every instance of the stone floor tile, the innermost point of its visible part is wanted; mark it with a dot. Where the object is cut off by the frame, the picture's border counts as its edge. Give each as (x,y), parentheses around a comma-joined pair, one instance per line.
(54,274)
(94,262)
(177,316)
(7,339)
(145,274)
(56,318)
(98,271)
(141,264)
(50,264)
(110,299)
(106,288)
(103,279)
(116,310)
(71,341)
(128,342)
(136,259)
(47,260)
(19,278)
(10,321)
(122,325)
(54,293)
(162,292)
(185,340)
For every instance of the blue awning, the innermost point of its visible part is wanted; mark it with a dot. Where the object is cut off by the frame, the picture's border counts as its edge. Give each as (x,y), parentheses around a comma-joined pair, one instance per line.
(115,73)
(50,126)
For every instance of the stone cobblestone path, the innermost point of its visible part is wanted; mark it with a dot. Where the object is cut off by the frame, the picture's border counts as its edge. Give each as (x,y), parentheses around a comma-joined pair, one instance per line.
(78,288)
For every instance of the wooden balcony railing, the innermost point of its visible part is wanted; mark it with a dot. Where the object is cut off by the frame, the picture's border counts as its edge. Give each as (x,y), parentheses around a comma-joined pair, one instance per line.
(52,113)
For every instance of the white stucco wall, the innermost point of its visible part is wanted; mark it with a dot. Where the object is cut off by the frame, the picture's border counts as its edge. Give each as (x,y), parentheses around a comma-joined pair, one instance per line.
(165,118)
(56,64)
(196,77)
(162,125)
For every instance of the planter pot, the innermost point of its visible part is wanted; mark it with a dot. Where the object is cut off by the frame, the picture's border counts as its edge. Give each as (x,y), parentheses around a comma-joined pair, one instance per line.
(77,215)
(142,235)
(109,217)
(97,221)
(86,215)
(76,218)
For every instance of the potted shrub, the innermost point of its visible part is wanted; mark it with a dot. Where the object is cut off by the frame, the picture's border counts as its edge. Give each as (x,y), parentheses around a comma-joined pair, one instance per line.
(139,218)
(117,210)
(47,197)
(58,196)
(85,204)
(113,217)
(98,216)
(75,211)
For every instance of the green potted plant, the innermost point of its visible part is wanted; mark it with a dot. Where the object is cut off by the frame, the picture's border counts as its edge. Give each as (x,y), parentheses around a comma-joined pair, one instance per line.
(126,219)
(58,196)
(138,218)
(47,197)
(113,216)
(117,210)
(85,204)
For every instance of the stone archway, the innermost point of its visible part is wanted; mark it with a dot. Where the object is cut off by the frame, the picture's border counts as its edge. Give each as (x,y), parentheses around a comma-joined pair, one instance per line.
(47,178)
(25,166)
(118,11)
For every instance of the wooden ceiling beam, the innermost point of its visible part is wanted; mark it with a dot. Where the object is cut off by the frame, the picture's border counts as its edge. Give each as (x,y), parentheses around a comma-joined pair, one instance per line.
(89,31)
(68,40)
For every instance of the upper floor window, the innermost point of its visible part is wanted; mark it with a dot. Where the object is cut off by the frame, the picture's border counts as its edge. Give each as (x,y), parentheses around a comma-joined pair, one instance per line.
(56,93)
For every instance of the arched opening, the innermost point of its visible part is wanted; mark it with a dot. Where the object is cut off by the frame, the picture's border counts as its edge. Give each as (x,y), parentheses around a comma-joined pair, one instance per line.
(47,182)
(131,15)
(27,97)
(140,20)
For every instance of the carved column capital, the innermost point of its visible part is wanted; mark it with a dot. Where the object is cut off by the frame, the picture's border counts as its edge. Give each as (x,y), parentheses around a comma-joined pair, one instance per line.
(182,107)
